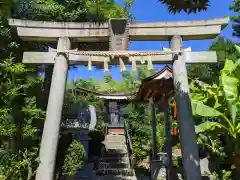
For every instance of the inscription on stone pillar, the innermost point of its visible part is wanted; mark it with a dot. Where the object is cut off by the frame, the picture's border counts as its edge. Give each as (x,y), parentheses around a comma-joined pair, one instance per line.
(118,34)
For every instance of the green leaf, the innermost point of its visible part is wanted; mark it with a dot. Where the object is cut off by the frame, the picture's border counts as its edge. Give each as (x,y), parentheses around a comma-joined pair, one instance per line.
(200,109)
(231,90)
(229,67)
(206,126)
(237,48)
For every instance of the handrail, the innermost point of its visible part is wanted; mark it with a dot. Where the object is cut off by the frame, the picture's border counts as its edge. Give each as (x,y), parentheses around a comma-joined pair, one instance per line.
(129,143)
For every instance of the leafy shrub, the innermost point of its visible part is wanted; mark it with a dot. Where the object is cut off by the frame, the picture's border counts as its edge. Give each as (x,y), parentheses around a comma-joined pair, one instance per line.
(160,133)
(21,166)
(223,175)
(140,152)
(176,161)
(74,158)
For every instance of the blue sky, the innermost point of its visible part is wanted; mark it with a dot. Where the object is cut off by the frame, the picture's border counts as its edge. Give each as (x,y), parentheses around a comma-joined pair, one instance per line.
(153,11)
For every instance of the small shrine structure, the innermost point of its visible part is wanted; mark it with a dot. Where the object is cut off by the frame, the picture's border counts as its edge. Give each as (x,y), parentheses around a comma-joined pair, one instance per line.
(114,104)
(157,90)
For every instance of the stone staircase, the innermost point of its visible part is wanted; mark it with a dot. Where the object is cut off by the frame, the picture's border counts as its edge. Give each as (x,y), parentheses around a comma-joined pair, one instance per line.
(85,173)
(115,163)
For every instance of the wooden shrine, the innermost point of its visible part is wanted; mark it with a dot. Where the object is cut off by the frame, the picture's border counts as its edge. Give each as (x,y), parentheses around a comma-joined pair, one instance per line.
(118,32)
(157,90)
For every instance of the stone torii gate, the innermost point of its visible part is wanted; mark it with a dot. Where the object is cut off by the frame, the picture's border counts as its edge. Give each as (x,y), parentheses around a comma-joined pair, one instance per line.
(118,32)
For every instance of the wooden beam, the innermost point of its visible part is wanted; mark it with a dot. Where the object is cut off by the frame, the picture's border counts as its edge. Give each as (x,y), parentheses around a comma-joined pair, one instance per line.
(190,58)
(154,128)
(168,135)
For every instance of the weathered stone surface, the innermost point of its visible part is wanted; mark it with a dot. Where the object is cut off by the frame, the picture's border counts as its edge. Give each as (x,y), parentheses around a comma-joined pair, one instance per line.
(52,123)
(92,32)
(184,113)
(48,58)
(115,161)
(204,163)
(118,34)
(158,171)
(86,118)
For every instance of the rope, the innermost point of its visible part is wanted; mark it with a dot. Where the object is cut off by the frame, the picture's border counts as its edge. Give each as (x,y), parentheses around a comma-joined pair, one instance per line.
(119,53)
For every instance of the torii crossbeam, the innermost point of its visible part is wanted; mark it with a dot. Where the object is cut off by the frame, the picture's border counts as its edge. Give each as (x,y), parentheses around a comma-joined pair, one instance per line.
(118,32)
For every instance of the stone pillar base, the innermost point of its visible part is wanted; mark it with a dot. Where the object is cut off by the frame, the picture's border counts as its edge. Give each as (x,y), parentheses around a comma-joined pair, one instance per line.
(158,170)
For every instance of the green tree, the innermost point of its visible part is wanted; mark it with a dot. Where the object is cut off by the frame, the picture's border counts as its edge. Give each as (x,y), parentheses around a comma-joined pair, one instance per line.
(189,6)
(221,103)
(19,119)
(209,72)
(235,7)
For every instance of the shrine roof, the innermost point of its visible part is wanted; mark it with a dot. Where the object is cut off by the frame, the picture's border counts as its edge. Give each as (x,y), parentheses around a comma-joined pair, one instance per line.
(157,85)
(108,95)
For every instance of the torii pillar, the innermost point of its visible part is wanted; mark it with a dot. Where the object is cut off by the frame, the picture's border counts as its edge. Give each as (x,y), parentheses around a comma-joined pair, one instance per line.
(49,142)
(188,139)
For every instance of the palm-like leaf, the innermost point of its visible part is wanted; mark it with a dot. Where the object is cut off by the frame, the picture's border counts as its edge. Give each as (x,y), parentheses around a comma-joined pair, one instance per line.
(227,92)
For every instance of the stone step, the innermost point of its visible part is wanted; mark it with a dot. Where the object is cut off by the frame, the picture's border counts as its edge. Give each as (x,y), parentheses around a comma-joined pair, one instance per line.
(84,175)
(111,160)
(116,147)
(112,177)
(115,171)
(105,165)
(118,151)
(117,133)
(85,170)
(115,138)
(114,143)
(143,178)
(106,141)
(83,178)
(90,175)
(115,154)
(115,159)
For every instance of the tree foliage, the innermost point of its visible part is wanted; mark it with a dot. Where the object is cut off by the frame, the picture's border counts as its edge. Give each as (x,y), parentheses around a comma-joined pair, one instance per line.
(69,10)
(74,158)
(209,72)
(219,104)
(19,119)
(24,93)
(188,6)
(235,7)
